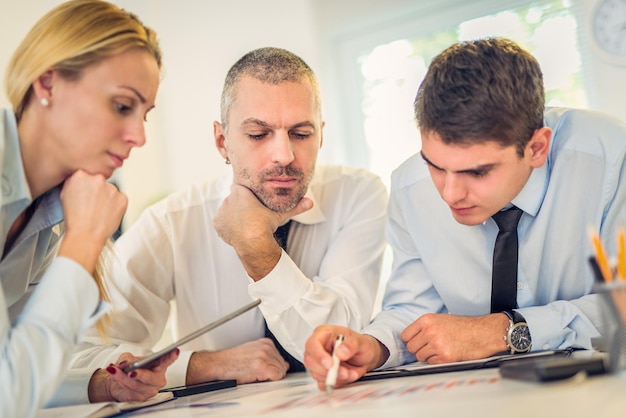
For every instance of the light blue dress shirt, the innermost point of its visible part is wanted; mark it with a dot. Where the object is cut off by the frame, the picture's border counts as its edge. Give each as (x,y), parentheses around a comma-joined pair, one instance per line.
(46,302)
(442,266)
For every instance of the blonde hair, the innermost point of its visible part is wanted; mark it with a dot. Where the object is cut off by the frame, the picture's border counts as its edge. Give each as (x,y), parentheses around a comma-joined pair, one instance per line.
(69,38)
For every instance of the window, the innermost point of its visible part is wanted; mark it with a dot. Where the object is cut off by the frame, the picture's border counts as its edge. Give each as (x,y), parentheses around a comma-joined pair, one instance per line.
(390,71)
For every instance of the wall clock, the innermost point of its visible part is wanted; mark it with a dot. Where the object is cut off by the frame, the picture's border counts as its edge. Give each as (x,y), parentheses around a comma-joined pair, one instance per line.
(608,30)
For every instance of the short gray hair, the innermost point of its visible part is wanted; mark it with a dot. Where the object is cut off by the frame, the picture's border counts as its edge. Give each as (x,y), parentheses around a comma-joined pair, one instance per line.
(268,65)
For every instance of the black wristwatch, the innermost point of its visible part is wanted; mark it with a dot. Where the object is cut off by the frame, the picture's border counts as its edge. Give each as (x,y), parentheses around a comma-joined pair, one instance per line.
(517,334)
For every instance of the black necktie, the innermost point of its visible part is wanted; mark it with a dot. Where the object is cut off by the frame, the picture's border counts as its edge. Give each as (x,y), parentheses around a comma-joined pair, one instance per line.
(504,274)
(281,235)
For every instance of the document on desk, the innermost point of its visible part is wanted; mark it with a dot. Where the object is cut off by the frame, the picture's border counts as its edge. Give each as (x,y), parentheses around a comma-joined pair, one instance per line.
(420,368)
(102,409)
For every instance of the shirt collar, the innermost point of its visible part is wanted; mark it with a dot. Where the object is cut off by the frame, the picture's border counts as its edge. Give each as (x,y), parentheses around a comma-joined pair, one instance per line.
(16,194)
(14,184)
(313,215)
(531,196)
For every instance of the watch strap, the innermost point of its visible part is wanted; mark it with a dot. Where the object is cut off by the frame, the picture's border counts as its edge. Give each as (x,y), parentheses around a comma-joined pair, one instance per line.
(514,316)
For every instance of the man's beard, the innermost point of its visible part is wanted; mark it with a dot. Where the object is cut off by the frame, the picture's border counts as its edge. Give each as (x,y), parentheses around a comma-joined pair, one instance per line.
(279,199)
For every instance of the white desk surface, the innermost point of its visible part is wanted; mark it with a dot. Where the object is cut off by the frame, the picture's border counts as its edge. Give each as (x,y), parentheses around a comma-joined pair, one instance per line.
(476,393)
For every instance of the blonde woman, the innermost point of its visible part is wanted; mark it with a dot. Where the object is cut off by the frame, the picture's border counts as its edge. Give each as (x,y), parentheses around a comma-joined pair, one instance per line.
(81,84)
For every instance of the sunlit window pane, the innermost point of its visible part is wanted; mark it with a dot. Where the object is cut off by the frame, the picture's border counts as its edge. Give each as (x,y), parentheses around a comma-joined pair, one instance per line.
(392,72)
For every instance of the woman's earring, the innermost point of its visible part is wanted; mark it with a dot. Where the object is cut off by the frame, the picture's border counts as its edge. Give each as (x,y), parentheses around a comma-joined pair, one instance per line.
(44,102)
(227,161)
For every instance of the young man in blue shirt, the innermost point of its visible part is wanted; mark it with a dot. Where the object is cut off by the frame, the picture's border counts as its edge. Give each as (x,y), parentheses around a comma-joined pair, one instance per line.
(488,145)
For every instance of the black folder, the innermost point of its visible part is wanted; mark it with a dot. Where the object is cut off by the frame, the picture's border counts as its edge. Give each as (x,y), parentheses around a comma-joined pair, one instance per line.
(420,368)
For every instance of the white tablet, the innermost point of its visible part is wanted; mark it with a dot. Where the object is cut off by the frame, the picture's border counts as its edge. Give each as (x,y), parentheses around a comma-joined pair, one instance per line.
(146,361)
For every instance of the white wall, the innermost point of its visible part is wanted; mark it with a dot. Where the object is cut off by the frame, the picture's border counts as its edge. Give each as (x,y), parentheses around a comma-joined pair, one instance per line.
(607,82)
(201,39)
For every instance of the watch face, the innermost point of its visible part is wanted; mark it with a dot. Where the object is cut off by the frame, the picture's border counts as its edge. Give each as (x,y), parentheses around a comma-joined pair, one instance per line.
(520,338)
(609,27)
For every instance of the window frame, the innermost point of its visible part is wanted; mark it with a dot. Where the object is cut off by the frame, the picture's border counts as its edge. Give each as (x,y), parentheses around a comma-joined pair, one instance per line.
(412,21)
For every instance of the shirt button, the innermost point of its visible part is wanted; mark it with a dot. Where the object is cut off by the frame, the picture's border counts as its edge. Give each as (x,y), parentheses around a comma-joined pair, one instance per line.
(546,346)
(520,286)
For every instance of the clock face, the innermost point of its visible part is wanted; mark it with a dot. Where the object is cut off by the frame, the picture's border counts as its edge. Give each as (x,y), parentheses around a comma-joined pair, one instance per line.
(609,28)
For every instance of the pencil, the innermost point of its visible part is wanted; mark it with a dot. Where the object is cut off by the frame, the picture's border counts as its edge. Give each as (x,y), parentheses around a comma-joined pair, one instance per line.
(601,257)
(621,254)
(331,377)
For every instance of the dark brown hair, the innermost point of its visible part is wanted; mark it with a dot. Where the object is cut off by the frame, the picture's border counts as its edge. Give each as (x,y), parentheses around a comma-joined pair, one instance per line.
(482,90)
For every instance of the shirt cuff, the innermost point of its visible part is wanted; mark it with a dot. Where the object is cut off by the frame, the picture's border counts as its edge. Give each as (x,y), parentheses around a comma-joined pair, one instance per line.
(176,374)
(281,289)
(554,327)
(382,328)
(66,281)
(73,390)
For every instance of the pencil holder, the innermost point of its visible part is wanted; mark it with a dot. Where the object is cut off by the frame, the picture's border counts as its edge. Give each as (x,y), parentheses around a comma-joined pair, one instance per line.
(614,314)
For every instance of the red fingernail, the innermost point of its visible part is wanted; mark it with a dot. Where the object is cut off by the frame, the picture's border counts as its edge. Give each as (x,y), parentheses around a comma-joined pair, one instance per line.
(177,351)
(111,369)
(122,364)
(133,374)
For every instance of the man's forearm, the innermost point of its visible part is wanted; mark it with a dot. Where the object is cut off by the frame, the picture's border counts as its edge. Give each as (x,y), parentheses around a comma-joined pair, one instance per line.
(259,259)
(202,368)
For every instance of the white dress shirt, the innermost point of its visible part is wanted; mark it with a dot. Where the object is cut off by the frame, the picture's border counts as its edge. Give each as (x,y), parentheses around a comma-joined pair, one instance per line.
(46,302)
(442,266)
(172,252)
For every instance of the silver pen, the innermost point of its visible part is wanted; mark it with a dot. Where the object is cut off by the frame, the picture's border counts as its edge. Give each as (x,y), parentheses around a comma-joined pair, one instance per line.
(331,377)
